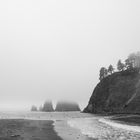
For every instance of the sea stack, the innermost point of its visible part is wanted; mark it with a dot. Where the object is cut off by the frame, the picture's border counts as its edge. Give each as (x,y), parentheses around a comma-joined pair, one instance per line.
(47,107)
(67,106)
(33,108)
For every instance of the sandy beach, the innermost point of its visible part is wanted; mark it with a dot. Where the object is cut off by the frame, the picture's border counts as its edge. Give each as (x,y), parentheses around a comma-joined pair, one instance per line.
(20,129)
(63,126)
(69,133)
(16,129)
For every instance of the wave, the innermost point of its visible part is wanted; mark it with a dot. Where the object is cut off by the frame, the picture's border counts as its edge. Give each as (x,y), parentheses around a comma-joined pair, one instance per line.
(88,126)
(119,125)
(100,128)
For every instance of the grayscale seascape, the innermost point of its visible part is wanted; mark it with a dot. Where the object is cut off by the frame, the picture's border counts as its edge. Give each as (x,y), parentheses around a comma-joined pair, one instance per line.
(66,126)
(70,70)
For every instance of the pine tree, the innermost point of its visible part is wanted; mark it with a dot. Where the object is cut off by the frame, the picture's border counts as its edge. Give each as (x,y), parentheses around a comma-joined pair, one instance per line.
(120,66)
(128,64)
(103,73)
(110,69)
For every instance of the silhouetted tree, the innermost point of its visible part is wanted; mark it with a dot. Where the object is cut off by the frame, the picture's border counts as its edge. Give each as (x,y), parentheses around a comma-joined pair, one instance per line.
(103,73)
(137,62)
(33,108)
(120,66)
(110,69)
(133,61)
(128,64)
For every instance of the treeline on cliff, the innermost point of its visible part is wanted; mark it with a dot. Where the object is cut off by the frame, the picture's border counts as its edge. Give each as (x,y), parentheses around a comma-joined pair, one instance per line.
(132,62)
(118,91)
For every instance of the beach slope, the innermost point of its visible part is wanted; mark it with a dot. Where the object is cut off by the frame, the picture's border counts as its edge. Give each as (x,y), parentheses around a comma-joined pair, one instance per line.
(19,129)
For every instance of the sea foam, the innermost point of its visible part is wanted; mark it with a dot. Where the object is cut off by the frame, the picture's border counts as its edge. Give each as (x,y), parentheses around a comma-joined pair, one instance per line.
(119,125)
(88,126)
(102,129)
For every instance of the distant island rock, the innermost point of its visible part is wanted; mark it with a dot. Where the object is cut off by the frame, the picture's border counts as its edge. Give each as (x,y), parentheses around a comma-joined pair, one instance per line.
(47,107)
(67,106)
(117,93)
(40,108)
(33,108)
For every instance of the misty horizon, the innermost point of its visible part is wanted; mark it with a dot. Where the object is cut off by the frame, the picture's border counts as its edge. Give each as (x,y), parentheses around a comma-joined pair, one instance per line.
(55,49)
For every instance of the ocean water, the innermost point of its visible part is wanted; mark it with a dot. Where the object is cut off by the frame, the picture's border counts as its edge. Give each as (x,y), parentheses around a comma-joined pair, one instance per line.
(94,126)
(43,115)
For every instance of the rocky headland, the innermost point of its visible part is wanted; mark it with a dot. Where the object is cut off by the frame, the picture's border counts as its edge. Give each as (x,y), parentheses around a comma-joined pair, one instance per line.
(117,93)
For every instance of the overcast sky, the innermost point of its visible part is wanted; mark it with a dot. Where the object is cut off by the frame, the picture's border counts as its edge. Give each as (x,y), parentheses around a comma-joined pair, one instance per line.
(53,49)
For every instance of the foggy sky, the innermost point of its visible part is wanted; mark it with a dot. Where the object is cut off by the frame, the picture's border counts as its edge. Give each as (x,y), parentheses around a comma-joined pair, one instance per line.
(53,49)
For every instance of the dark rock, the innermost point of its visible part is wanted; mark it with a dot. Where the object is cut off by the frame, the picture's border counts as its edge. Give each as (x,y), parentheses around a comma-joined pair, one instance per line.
(47,107)
(67,106)
(33,108)
(117,93)
(40,108)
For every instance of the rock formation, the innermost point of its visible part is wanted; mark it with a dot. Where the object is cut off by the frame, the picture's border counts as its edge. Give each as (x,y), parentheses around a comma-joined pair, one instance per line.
(67,106)
(33,108)
(47,107)
(117,93)
(40,108)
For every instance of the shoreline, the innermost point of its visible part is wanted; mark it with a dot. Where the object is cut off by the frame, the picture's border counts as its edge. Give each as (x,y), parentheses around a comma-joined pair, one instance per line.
(102,127)
(27,129)
(67,126)
(129,119)
(67,132)
(128,123)
(20,129)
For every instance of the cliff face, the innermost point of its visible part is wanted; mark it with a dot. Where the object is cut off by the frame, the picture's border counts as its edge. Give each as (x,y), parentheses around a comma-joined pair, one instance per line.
(67,106)
(117,93)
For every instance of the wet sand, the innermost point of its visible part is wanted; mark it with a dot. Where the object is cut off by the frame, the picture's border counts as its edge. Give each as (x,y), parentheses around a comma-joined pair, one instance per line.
(66,126)
(69,133)
(20,129)
(15,129)
(128,119)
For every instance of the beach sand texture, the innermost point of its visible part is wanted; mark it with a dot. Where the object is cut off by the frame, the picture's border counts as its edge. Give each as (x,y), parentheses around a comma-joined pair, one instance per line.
(27,130)
(69,133)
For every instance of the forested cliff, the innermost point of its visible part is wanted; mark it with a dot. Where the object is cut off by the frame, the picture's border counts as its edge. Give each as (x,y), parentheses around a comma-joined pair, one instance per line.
(117,93)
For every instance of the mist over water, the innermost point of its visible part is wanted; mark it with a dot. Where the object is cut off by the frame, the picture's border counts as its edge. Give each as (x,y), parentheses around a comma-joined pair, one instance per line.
(94,126)
(54,49)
